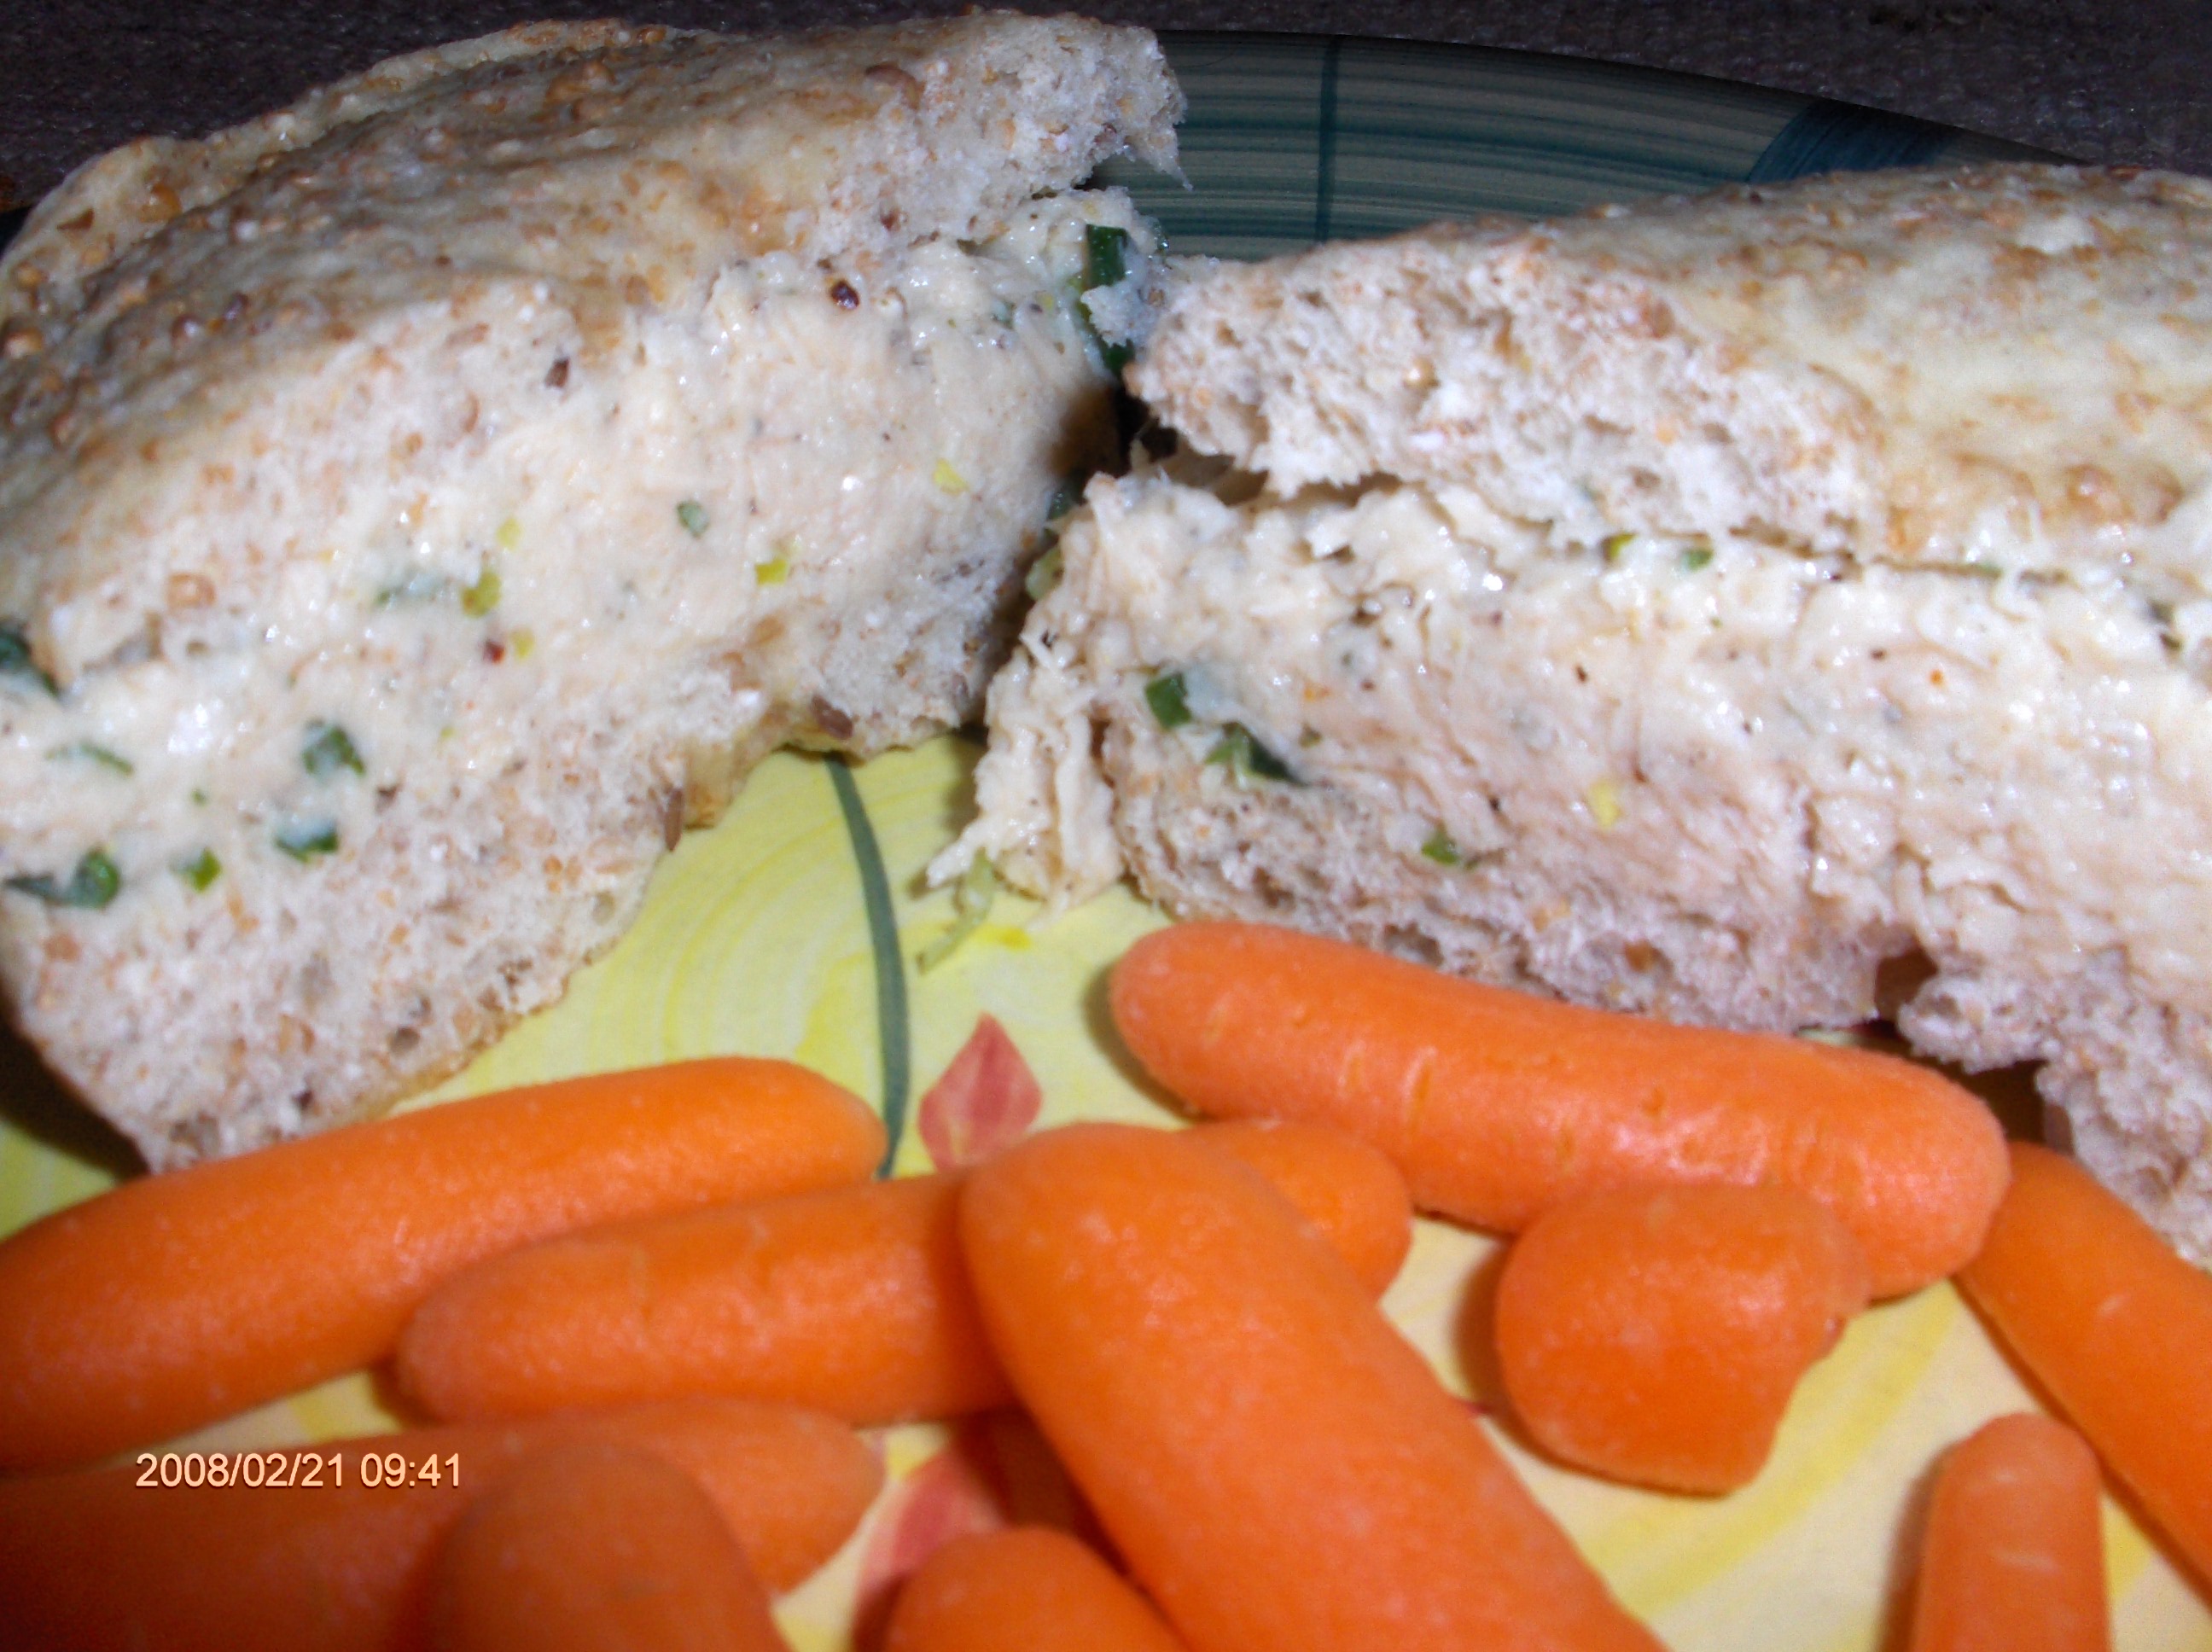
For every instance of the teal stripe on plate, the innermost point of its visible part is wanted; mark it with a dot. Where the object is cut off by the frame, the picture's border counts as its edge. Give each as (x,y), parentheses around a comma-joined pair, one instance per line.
(1293,139)
(1423,132)
(1250,146)
(1831,136)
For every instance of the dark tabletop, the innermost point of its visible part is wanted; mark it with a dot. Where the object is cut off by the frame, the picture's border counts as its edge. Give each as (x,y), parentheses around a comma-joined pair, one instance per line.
(2125,84)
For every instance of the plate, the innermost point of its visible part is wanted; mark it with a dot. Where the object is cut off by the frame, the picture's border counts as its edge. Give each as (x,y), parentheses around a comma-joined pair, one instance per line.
(793,928)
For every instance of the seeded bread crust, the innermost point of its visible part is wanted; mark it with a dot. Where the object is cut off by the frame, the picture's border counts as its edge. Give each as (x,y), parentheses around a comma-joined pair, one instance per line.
(563,418)
(1692,608)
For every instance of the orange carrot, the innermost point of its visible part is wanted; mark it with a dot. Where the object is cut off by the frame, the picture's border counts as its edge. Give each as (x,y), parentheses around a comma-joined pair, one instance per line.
(95,1559)
(2118,1330)
(1655,1334)
(1026,1589)
(1347,1189)
(597,1548)
(1276,1465)
(184,1298)
(1497,1104)
(855,1302)
(2012,1560)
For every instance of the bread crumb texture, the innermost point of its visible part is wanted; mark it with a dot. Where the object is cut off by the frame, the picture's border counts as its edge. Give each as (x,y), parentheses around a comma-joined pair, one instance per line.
(418,504)
(1691,608)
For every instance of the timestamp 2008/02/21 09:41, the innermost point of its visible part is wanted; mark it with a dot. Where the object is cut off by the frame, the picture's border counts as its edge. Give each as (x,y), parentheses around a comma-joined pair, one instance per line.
(302,1467)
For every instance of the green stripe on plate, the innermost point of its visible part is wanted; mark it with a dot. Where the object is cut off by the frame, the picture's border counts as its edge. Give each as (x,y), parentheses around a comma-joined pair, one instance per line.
(892,1018)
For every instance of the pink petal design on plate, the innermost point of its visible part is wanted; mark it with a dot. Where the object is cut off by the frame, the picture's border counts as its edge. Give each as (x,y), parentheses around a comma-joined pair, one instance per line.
(986,1098)
(995,1472)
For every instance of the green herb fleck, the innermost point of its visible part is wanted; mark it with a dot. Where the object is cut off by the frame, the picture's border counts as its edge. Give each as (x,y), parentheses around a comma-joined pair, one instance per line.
(1043,575)
(1164,695)
(92,885)
(775,571)
(422,586)
(1696,557)
(303,840)
(1615,545)
(1441,849)
(971,904)
(200,871)
(16,659)
(1066,497)
(1246,757)
(509,534)
(328,749)
(482,597)
(1983,570)
(198,794)
(92,752)
(693,515)
(1105,256)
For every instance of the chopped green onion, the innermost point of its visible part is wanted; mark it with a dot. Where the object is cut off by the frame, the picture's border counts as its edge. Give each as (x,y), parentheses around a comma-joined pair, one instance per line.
(775,571)
(200,871)
(329,749)
(1043,575)
(482,597)
(1696,557)
(92,885)
(303,840)
(16,659)
(693,515)
(1164,695)
(971,904)
(1615,545)
(422,586)
(1105,256)
(91,751)
(1441,849)
(1105,264)
(1246,756)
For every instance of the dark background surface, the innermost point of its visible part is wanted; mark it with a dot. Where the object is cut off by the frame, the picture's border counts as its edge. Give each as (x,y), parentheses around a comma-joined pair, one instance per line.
(2129,83)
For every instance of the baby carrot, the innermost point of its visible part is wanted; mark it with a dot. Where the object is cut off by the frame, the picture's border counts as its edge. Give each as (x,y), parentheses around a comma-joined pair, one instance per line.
(597,1548)
(2012,1560)
(1347,1189)
(1027,1588)
(181,1298)
(96,1559)
(1655,1334)
(2117,1328)
(1497,1103)
(1276,1465)
(855,1302)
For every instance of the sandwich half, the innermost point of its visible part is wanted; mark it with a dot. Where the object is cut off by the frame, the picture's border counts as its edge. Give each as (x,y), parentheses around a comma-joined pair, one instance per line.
(1763,610)
(419,504)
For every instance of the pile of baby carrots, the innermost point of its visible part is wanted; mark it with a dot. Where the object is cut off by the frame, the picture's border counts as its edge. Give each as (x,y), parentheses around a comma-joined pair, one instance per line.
(648,1311)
